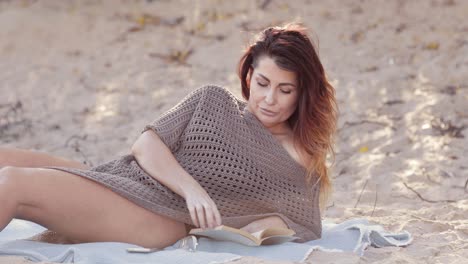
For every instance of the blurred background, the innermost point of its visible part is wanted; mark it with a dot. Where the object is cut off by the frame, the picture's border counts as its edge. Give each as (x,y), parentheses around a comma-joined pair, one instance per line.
(80,79)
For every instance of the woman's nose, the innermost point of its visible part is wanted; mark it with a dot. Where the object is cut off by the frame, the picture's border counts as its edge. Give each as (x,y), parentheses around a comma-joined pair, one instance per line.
(270,97)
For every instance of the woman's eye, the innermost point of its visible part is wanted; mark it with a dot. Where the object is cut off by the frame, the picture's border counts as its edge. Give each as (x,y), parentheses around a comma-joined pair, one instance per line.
(286,92)
(262,84)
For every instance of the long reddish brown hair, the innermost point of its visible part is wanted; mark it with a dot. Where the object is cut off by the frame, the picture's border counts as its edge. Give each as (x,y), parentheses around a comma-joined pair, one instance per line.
(314,120)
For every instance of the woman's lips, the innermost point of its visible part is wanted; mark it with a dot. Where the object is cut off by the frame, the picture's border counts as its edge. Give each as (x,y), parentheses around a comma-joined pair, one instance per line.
(267,112)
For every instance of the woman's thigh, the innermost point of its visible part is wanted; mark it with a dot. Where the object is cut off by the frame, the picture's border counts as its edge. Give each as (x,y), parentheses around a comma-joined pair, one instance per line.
(33,159)
(85,211)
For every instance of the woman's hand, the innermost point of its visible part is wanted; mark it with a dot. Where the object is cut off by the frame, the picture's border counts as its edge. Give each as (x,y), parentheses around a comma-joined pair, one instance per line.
(203,210)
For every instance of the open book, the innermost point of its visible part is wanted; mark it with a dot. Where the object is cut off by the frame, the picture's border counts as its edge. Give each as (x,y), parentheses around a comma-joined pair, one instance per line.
(268,236)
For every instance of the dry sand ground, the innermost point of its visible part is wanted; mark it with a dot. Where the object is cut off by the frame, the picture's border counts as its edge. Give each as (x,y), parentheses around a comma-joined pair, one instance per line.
(81,78)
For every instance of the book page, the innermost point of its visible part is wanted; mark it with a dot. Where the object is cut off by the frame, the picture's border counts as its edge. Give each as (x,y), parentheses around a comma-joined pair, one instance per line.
(225,235)
(278,240)
(268,236)
(258,234)
(276,231)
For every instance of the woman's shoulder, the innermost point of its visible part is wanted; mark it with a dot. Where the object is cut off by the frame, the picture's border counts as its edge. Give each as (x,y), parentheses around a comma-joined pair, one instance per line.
(216,94)
(212,89)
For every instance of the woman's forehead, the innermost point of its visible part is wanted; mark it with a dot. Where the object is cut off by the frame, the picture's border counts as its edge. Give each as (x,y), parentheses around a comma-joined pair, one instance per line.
(269,70)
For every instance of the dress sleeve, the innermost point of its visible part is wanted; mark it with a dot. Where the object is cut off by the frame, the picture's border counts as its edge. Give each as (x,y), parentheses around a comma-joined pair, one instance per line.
(171,124)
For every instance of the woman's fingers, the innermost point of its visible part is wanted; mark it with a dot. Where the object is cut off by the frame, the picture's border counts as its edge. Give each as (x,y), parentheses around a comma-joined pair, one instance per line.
(201,216)
(203,211)
(214,216)
(193,215)
(207,216)
(217,215)
(218,218)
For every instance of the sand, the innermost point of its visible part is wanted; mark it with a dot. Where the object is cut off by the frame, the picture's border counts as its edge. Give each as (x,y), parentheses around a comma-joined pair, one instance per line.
(81,78)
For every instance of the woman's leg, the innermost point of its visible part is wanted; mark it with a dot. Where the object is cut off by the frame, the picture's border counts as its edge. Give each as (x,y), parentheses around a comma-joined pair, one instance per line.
(34,159)
(81,209)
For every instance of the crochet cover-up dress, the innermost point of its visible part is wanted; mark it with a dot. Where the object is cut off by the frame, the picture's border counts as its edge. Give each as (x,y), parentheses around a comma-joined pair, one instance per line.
(228,151)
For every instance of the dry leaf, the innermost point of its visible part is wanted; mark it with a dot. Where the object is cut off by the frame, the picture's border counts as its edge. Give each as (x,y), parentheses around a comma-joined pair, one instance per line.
(449,89)
(357,36)
(214,15)
(432,46)
(364,149)
(200,26)
(449,3)
(444,127)
(400,28)
(265,4)
(134,29)
(171,22)
(147,19)
(326,14)
(284,7)
(371,69)
(175,56)
(357,10)
(181,56)
(141,20)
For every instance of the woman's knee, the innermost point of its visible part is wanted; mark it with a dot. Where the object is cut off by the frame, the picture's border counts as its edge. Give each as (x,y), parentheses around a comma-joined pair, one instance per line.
(8,192)
(5,154)
(14,189)
(9,186)
(13,180)
(7,176)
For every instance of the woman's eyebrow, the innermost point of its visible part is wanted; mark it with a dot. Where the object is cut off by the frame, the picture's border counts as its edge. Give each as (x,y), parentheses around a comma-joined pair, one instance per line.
(281,84)
(263,76)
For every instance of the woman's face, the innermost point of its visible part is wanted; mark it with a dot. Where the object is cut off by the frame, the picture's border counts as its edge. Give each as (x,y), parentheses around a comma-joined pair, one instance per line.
(273,94)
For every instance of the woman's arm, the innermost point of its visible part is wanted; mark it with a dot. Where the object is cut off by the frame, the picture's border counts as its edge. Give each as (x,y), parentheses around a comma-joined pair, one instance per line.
(157,160)
(271,221)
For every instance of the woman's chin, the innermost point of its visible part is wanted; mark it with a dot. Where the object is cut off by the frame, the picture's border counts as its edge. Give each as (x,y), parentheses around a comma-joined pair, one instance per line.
(268,121)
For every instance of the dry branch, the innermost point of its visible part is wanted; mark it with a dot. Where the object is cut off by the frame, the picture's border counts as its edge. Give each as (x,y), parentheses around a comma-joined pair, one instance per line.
(359,198)
(427,200)
(350,124)
(375,202)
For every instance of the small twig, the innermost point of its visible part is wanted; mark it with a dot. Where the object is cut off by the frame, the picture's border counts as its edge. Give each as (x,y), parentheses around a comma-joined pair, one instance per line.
(394,102)
(265,3)
(466,186)
(218,37)
(76,137)
(367,122)
(375,202)
(330,206)
(11,118)
(77,148)
(431,180)
(444,127)
(424,219)
(427,200)
(359,198)
(175,56)
(86,160)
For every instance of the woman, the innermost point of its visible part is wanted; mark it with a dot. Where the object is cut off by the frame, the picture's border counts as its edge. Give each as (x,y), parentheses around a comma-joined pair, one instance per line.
(212,159)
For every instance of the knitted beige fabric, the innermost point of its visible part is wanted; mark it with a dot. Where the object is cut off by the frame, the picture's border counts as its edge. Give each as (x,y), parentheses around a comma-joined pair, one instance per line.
(240,164)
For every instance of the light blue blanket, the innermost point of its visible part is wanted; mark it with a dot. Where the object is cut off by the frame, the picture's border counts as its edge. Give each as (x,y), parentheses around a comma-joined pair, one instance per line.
(353,235)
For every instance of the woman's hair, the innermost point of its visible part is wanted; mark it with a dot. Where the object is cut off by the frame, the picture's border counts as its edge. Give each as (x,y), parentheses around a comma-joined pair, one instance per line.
(314,120)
